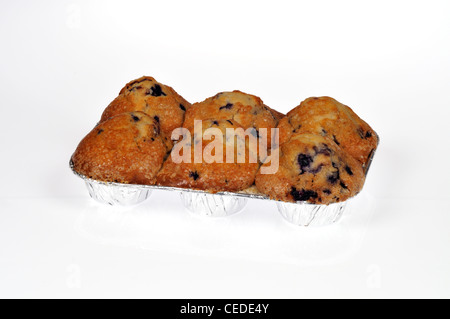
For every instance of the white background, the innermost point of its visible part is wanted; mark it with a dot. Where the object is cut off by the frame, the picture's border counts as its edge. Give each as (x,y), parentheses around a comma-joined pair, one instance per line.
(62,62)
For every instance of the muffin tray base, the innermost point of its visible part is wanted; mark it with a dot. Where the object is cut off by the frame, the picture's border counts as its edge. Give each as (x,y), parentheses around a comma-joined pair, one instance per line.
(221,204)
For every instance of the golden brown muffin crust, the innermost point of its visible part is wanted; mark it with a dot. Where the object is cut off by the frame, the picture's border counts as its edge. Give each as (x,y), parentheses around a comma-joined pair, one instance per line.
(314,169)
(153,98)
(127,148)
(212,177)
(245,109)
(327,117)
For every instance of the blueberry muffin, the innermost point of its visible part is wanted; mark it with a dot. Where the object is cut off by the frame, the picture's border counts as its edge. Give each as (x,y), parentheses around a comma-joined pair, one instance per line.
(244,109)
(312,169)
(127,148)
(327,117)
(204,170)
(157,100)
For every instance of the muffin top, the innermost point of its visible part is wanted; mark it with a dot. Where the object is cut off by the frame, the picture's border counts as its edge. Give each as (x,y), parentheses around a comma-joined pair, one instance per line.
(312,169)
(244,109)
(212,161)
(157,100)
(327,117)
(127,148)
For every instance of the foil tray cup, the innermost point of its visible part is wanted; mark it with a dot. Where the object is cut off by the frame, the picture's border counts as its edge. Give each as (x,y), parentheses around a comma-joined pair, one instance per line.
(115,194)
(305,214)
(212,205)
(217,205)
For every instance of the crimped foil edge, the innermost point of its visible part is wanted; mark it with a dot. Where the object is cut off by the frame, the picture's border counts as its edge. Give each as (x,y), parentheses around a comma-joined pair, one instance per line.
(212,205)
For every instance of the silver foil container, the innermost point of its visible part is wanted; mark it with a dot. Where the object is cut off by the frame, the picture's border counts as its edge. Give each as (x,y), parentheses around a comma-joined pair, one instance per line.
(305,214)
(114,194)
(213,205)
(216,205)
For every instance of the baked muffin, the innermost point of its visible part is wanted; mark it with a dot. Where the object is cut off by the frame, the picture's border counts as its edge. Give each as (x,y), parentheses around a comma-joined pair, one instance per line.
(246,110)
(327,117)
(201,172)
(127,148)
(153,98)
(312,169)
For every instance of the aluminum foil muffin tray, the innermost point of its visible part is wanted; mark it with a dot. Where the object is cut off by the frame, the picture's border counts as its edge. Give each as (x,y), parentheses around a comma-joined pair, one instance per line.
(215,205)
